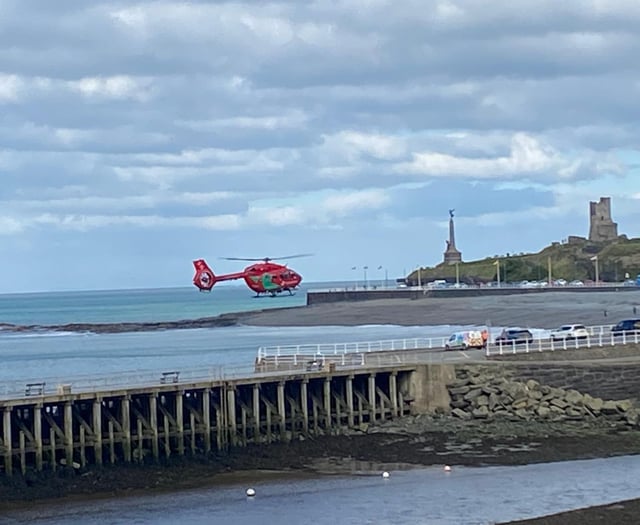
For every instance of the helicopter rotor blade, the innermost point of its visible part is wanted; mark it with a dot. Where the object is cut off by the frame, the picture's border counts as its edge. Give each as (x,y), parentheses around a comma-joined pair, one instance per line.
(266,259)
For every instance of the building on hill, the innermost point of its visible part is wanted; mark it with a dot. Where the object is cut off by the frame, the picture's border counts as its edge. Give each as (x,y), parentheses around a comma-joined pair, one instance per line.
(452,255)
(601,226)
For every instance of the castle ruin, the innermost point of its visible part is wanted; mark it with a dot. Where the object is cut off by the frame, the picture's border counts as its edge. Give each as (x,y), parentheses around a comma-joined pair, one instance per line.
(601,226)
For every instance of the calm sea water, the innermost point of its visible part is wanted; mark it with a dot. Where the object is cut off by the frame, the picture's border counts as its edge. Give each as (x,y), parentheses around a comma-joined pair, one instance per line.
(464,496)
(112,306)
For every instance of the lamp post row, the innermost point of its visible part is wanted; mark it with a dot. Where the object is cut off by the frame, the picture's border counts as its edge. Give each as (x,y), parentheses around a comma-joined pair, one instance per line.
(366,282)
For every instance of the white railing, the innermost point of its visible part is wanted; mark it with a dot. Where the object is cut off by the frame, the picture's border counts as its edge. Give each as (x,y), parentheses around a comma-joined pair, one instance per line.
(324,349)
(597,339)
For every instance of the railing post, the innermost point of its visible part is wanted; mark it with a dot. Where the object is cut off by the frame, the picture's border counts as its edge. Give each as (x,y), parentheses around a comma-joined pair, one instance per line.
(539,345)
(513,344)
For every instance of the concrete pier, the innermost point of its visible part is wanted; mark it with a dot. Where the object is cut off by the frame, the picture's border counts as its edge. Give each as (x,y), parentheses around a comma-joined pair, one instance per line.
(145,424)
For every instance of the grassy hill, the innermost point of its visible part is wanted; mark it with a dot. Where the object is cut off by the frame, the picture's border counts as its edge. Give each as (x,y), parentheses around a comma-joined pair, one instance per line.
(571,260)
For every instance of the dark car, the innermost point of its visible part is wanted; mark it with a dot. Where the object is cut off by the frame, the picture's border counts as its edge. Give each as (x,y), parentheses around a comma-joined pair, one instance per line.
(514,336)
(627,326)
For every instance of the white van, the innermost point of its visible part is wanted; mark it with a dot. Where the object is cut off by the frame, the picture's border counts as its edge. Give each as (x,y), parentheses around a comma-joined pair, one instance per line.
(464,340)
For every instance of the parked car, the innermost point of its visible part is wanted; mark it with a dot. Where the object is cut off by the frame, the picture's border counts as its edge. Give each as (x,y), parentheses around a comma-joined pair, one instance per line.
(627,326)
(514,335)
(570,331)
(464,340)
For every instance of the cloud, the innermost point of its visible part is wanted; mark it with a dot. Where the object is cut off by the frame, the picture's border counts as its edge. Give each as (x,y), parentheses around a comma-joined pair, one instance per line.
(144,125)
(527,156)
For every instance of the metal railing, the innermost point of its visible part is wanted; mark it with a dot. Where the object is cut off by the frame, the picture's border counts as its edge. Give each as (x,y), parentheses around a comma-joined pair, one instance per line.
(599,339)
(324,349)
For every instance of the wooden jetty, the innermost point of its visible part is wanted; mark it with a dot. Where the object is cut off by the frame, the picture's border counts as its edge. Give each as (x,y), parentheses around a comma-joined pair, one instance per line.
(42,430)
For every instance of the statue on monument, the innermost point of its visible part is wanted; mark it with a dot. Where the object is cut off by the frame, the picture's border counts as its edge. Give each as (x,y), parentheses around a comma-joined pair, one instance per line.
(451,213)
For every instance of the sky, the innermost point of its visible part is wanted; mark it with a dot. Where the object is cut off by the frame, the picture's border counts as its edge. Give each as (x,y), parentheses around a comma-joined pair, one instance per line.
(138,136)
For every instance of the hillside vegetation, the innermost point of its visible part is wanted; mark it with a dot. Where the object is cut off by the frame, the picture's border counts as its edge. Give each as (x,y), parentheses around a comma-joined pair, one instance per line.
(569,261)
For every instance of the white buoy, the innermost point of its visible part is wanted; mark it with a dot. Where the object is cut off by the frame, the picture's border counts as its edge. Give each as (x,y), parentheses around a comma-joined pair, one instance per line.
(385,474)
(447,468)
(251,492)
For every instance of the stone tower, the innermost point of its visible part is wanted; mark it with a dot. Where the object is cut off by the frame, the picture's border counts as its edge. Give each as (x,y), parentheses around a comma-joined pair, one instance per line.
(452,255)
(601,227)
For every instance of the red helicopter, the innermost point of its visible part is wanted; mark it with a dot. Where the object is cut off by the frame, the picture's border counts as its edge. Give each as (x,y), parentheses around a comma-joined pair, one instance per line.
(263,277)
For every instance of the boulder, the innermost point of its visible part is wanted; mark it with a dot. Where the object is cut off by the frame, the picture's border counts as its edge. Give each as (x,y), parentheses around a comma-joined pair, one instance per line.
(532,384)
(519,404)
(624,405)
(460,413)
(490,389)
(609,408)
(594,404)
(482,401)
(472,394)
(455,390)
(559,403)
(481,412)
(494,401)
(543,411)
(574,397)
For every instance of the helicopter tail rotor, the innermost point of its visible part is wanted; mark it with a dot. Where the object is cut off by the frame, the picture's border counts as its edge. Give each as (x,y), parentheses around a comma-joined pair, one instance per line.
(204,279)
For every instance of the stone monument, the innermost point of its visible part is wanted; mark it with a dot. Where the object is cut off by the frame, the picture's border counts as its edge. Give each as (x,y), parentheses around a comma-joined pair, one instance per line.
(452,255)
(601,226)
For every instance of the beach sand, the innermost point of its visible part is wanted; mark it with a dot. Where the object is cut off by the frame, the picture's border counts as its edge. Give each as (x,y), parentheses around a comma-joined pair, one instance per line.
(541,310)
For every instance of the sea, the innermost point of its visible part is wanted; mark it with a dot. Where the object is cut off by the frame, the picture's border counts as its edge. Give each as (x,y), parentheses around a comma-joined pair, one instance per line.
(424,495)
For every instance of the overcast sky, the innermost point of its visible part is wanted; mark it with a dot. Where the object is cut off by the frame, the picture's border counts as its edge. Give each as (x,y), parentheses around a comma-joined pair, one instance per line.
(137,136)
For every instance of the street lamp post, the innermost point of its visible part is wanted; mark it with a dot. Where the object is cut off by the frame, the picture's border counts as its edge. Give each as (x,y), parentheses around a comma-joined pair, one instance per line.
(419,277)
(457,276)
(497,263)
(355,282)
(365,268)
(595,258)
(385,276)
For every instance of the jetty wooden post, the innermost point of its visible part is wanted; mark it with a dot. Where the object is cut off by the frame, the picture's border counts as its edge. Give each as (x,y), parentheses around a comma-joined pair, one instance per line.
(180,421)
(282,410)
(97,430)
(372,397)
(6,439)
(231,414)
(68,432)
(125,409)
(23,453)
(153,423)
(256,413)
(327,402)
(304,404)
(349,395)
(393,393)
(206,416)
(52,447)
(37,434)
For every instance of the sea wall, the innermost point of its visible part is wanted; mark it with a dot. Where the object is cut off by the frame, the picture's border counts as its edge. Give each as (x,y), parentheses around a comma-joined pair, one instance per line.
(345,294)
(609,372)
